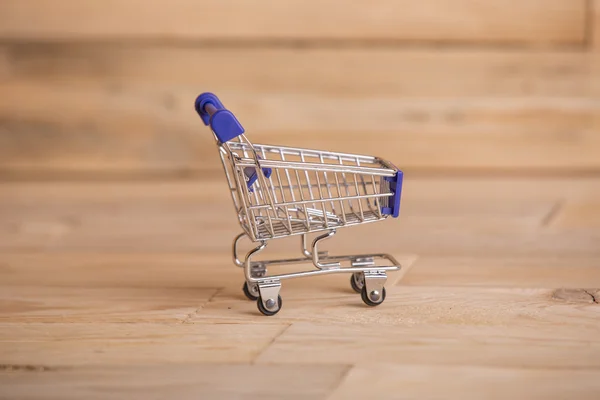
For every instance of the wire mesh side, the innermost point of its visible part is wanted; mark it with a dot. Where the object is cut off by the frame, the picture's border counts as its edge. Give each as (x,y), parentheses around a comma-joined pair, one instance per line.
(300,201)
(327,195)
(291,154)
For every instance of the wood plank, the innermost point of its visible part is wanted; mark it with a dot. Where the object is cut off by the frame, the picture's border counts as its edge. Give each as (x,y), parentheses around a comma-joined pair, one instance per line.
(4,63)
(594,24)
(164,297)
(509,190)
(406,307)
(107,216)
(473,218)
(114,312)
(77,344)
(583,213)
(128,108)
(126,226)
(412,72)
(396,381)
(196,272)
(175,381)
(505,271)
(529,21)
(162,273)
(526,191)
(131,305)
(508,345)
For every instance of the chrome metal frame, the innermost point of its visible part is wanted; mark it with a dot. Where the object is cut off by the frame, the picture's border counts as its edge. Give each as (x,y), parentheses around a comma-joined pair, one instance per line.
(308,191)
(268,286)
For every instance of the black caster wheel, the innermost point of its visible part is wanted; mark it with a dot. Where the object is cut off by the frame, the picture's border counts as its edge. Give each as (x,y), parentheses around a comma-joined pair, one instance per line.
(357,281)
(251,293)
(273,310)
(372,299)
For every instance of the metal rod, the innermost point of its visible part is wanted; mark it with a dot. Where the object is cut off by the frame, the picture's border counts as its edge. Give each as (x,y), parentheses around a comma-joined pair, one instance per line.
(359,201)
(376,199)
(328,271)
(315,252)
(316,167)
(327,185)
(248,263)
(236,260)
(319,201)
(289,261)
(328,154)
(337,183)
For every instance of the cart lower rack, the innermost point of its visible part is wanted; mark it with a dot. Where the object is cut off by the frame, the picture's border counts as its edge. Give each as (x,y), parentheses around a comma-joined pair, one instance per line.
(279,192)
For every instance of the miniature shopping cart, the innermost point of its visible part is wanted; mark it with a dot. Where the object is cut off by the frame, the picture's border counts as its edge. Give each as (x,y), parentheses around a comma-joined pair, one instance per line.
(282,191)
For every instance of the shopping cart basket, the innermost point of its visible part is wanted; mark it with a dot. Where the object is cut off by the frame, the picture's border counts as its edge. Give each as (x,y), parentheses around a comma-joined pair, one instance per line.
(282,191)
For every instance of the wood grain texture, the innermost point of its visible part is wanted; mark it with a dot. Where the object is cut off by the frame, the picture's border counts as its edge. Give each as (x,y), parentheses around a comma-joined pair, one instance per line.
(136,275)
(530,21)
(476,217)
(508,345)
(585,296)
(583,213)
(396,381)
(507,271)
(446,307)
(594,25)
(128,109)
(127,290)
(66,344)
(131,305)
(176,381)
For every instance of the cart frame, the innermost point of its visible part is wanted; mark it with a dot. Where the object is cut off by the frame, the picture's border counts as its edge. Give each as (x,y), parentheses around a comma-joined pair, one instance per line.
(272,194)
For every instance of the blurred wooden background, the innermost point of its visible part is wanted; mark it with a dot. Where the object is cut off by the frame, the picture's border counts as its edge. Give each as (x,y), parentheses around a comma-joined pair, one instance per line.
(116,277)
(92,88)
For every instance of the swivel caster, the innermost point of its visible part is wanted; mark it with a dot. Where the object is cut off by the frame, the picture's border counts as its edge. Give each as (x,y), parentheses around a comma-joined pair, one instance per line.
(269,307)
(373,292)
(357,281)
(251,291)
(374,298)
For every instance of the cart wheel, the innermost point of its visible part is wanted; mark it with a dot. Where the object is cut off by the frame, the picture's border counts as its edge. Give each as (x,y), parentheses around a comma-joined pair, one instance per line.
(274,310)
(357,281)
(251,292)
(374,299)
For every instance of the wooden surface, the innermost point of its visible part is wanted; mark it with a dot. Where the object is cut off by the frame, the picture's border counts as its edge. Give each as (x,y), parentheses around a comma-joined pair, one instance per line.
(105,88)
(73,109)
(595,18)
(529,21)
(126,290)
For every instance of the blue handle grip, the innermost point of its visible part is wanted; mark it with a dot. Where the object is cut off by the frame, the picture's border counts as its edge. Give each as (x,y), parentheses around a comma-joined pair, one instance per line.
(393,207)
(226,127)
(221,121)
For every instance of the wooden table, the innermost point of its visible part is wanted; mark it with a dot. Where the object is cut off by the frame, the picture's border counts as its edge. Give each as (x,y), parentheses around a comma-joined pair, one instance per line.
(127,290)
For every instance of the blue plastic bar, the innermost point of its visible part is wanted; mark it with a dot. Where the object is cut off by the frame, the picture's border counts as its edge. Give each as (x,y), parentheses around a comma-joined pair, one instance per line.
(221,121)
(252,176)
(225,126)
(393,208)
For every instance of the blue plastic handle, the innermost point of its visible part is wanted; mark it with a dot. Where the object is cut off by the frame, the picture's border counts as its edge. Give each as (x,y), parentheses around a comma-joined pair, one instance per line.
(222,121)
(225,126)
